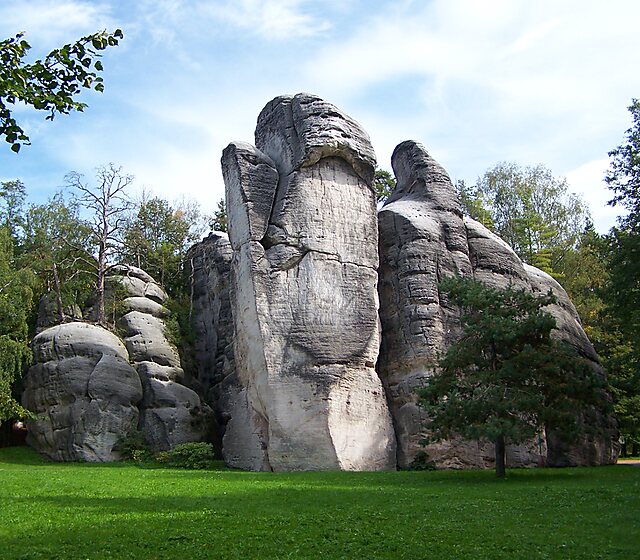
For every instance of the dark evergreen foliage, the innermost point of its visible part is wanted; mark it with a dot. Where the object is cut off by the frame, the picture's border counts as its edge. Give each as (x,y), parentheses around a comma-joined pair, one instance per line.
(507,378)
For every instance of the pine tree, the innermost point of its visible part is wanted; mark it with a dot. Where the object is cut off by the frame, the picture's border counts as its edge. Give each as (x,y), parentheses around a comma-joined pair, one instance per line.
(506,379)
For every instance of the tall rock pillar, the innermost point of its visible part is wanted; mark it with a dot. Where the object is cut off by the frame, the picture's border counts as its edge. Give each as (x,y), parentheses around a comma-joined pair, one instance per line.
(302,224)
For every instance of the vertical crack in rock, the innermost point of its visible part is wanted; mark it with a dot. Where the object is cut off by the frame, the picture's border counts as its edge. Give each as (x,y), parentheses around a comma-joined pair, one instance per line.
(302,225)
(423,238)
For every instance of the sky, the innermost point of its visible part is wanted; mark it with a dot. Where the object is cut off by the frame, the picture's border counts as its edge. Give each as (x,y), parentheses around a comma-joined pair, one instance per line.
(476,82)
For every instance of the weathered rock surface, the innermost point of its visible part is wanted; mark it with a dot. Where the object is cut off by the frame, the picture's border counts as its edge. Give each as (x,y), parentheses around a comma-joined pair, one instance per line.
(591,449)
(423,238)
(209,266)
(302,226)
(170,412)
(83,391)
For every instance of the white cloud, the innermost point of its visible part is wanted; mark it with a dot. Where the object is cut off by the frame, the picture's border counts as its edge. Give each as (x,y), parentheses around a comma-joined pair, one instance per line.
(588,180)
(270,19)
(48,23)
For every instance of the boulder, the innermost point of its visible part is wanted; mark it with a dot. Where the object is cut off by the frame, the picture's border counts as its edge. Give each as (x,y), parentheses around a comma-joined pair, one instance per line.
(83,392)
(302,225)
(424,238)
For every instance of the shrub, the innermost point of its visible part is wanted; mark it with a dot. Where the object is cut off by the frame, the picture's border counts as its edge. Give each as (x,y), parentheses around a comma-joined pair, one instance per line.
(421,462)
(195,455)
(133,447)
(141,455)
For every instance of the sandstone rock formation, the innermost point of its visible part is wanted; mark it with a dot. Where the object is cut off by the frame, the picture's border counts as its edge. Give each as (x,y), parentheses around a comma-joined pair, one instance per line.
(302,225)
(86,394)
(423,238)
(209,266)
(83,391)
(288,343)
(590,449)
(170,412)
(49,314)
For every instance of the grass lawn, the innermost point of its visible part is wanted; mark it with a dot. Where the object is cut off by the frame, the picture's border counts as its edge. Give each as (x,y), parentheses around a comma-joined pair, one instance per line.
(77,511)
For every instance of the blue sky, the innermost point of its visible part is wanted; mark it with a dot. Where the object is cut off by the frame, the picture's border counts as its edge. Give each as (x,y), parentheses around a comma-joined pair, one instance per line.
(477,82)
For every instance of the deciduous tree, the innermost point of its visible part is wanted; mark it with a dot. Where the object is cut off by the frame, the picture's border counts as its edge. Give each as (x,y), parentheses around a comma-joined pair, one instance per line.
(55,244)
(532,211)
(15,305)
(51,84)
(157,237)
(108,204)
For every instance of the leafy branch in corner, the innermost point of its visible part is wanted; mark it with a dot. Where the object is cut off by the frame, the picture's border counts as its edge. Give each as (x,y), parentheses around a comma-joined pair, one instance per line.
(50,84)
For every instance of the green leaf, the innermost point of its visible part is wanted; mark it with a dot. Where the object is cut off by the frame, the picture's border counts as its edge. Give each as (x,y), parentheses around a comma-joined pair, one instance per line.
(98,66)
(15,148)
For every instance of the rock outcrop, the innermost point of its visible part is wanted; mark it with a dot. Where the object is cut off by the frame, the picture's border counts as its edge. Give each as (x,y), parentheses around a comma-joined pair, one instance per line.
(89,389)
(302,225)
(170,412)
(299,368)
(83,392)
(592,449)
(423,238)
(209,266)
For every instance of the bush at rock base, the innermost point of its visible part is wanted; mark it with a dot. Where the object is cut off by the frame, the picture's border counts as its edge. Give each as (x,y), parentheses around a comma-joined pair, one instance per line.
(195,455)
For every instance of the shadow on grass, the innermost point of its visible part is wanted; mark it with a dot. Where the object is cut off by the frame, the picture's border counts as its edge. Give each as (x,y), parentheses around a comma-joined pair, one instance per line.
(22,455)
(226,514)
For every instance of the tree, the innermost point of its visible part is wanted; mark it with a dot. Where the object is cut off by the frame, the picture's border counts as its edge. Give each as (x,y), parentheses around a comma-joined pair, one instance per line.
(533,212)
(473,205)
(12,197)
(506,379)
(623,176)
(622,290)
(384,184)
(55,244)
(108,204)
(157,237)
(219,219)
(50,84)
(15,305)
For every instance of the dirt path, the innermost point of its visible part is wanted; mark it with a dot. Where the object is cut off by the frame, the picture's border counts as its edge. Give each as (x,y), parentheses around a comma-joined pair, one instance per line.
(632,462)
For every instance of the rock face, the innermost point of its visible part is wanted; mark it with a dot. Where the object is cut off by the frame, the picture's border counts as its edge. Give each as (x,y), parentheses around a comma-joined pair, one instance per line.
(590,450)
(170,412)
(423,238)
(86,394)
(285,313)
(83,391)
(209,266)
(302,225)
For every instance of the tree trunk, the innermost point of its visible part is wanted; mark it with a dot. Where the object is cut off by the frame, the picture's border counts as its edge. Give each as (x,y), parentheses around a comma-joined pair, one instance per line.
(102,266)
(58,290)
(500,456)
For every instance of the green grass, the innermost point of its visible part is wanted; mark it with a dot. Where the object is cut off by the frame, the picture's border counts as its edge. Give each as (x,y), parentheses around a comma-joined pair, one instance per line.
(77,511)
